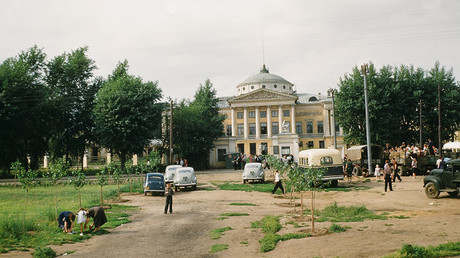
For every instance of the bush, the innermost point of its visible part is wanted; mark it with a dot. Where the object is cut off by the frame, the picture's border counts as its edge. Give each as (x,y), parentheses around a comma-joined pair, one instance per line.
(44,252)
(336,228)
(270,224)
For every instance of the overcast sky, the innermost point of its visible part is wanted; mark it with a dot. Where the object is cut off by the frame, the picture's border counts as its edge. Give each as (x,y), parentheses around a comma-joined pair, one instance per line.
(181,43)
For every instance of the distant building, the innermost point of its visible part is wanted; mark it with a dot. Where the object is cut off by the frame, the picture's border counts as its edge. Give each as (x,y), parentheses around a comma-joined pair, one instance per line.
(267,116)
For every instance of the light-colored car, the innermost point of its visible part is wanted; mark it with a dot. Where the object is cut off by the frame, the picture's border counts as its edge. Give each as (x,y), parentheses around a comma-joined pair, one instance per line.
(254,172)
(169,173)
(185,177)
(154,183)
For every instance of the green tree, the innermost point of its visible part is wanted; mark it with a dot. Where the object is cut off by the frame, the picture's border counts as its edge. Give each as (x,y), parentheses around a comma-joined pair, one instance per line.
(70,79)
(26,178)
(127,114)
(196,125)
(394,94)
(79,182)
(24,108)
(56,171)
(102,179)
(117,173)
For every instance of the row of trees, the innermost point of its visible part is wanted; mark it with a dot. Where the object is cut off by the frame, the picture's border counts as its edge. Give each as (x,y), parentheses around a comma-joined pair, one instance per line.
(394,95)
(59,107)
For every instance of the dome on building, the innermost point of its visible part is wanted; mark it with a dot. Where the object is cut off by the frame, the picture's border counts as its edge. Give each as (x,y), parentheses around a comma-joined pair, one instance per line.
(264,79)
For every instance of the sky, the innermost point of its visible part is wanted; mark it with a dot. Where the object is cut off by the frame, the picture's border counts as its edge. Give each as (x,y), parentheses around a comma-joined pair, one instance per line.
(181,43)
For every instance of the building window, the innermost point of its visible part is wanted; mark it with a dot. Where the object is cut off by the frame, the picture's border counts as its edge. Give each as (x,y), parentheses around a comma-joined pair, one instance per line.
(310,144)
(240,129)
(252,87)
(321,144)
(285,150)
(275,86)
(252,128)
(320,126)
(264,148)
(337,128)
(298,127)
(275,128)
(263,114)
(301,144)
(309,126)
(274,113)
(239,115)
(276,150)
(229,130)
(244,88)
(221,154)
(285,112)
(252,114)
(263,128)
(263,86)
(284,86)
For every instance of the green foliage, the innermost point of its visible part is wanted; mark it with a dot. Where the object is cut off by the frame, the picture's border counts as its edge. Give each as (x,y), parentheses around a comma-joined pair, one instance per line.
(44,252)
(103,177)
(335,213)
(234,214)
(127,114)
(243,204)
(196,125)
(270,224)
(218,247)
(57,170)
(264,188)
(218,232)
(79,179)
(269,241)
(337,228)
(449,249)
(406,86)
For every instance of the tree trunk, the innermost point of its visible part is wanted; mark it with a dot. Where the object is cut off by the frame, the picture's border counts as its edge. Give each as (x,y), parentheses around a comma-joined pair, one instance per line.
(79,196)
(24,212)
(118,189)
(312,211)
(292,197)
(301,205)
(55,201)
(123,159)
(130,186)
(102,202)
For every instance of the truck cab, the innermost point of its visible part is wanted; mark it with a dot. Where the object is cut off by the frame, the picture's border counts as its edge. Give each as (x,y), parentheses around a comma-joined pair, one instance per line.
(443,180)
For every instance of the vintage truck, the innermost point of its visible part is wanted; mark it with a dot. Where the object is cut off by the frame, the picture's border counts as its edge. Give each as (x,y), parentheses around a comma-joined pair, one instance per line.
(443,180)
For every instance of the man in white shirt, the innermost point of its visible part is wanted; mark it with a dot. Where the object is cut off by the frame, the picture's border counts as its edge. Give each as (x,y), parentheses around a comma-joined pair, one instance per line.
(278,182)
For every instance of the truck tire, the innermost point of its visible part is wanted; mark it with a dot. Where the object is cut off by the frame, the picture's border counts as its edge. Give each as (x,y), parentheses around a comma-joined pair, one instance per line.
(453,194)
(334,183)
(431,191)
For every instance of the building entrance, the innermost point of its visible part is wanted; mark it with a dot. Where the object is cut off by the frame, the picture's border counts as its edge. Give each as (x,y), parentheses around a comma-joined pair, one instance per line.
(252,148)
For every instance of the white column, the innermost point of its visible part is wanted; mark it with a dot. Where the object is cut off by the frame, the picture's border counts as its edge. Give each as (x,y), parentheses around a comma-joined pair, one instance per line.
(280,119)
(257,123)
(85,160)
(246,125)
(293,119)
(269,122)
(135,160)
(326,123)
(45,161)
(233,122)
(109,158)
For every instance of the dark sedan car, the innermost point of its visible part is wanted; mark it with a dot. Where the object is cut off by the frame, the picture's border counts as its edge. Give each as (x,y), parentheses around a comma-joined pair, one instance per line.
(154,183)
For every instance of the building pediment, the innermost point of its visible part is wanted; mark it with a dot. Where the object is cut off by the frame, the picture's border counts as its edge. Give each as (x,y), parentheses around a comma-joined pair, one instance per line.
(263,95)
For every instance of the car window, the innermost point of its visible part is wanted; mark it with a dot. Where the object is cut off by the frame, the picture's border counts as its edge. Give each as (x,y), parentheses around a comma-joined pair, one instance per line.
(326,160)
(154,177)
(184,171)
(252,166)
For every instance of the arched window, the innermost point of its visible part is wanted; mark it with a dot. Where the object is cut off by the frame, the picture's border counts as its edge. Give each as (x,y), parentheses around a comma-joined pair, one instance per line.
(263,86)
(312,99)
(252,87)
(275,86)
(284,86)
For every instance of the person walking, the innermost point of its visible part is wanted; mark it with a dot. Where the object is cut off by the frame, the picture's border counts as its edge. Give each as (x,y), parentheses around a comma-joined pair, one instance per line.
(395,171)
(278,182)
(387,175)
(414,167)
(349,170)
(169,202)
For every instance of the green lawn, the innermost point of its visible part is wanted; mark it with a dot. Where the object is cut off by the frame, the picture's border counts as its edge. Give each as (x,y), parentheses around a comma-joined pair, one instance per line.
(40,224)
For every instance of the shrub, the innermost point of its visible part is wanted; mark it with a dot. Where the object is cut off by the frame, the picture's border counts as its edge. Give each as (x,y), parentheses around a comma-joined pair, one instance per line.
(270,224)
(336,228)
(218,232)
(218,247)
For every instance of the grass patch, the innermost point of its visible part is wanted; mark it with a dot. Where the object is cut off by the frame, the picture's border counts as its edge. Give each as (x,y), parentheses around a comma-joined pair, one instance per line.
(244,242)
(270,224)
(346,188)
(337,228)
(218,232)
(218,247)
(243,204)
(266,187)
(269,241)
(335,213)
(44,252)
(444,250)
(388,225)
(295,224)
(232,214)
(400,217)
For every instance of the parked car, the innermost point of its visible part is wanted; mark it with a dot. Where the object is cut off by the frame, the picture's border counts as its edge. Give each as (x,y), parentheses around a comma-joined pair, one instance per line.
(323,158)
(253,171)
(169,173)
(154,183)
(443,180)
(185,177)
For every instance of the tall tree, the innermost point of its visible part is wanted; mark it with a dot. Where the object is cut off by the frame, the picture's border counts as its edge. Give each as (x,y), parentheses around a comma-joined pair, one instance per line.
(127,114)
(73,87)
(196,125)
(394,95)
(23,109)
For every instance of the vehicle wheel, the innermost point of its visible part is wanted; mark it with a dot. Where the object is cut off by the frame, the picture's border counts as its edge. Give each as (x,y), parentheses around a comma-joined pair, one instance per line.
(153,193)
(334,183)
(453,194)
(145,193)
(431,191)
(263,181)
(244,181)
(162,194)
(175,188)
(194,187)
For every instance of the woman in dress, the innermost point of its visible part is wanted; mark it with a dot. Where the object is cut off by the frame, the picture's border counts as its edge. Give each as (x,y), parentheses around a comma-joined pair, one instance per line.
(99,218)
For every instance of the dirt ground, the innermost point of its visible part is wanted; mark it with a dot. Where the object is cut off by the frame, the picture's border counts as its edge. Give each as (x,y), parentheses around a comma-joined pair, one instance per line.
(185,232)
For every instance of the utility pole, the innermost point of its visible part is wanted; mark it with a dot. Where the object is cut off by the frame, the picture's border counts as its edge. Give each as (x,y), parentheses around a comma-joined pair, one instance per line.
(171,133)
(368,127)
(332,92)
(421,144)
(439,118)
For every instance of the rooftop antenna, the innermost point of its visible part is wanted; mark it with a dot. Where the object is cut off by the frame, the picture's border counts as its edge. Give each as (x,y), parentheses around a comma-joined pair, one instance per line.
(263,48)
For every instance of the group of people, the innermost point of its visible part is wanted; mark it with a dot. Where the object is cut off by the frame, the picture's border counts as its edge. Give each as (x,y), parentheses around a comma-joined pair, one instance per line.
(66,219)
(414,150)
(240,161)
(183,162)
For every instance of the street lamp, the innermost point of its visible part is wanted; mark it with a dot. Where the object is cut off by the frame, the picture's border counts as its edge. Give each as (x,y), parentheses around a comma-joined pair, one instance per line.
(332,92)
(368,130)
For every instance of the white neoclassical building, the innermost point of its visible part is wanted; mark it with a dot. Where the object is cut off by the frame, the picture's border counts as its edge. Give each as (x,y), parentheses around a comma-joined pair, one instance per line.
(268,116)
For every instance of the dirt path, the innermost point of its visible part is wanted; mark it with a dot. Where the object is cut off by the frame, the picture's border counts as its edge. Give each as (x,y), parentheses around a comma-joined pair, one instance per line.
(186,231)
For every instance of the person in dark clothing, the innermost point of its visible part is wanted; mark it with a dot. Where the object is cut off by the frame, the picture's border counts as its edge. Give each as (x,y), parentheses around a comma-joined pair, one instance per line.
(387,175)
(395,170)
(278,182)
(169,202)
(442,164)
(65,221)
(99,218)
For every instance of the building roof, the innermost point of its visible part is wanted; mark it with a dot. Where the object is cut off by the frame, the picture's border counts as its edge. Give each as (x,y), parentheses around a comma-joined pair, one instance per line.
(264,76)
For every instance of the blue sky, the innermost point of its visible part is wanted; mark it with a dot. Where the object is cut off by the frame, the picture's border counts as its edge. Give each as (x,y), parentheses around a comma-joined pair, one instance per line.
(181,43)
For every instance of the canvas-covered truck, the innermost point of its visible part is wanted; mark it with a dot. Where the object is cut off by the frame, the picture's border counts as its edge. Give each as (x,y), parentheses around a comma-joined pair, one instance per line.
(358,155)
(443,180)
(425,163)
(451,150)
